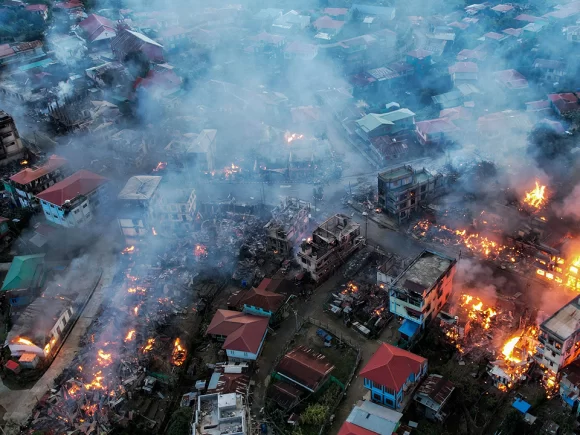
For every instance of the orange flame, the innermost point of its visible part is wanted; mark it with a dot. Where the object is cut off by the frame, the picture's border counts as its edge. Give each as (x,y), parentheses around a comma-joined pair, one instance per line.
(179,353)
(536,197)
(128,250)
(290,137)
(160,166)
(200,250)
(508,349)
(153,230)
(130,336)
(24,341)
(149,345)
(103,358)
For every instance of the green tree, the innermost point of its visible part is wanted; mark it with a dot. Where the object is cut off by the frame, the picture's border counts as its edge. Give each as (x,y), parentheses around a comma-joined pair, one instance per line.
(315,414)
(180,423)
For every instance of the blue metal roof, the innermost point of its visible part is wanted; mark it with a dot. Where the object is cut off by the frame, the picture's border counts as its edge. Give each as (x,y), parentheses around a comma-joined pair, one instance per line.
(521,405)
(409,328)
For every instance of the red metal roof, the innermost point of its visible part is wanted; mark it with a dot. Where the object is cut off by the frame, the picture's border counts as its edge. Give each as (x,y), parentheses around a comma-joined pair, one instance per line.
(12,365)
(264,299)
(82,182)
(419,54)
(352,429)
(305,367)
(494,35)
(6,50)
(463,67)
(527,18)
(164,80)
(453,113)
(30,174)
(244,332)
(71,4)
(36,8)
(391,366)
(439,125)
(513,32)
(327,23)
(466,54)
(335,11)
(94,25)
(511,79)
(502,8)
(268,38)
(566,102)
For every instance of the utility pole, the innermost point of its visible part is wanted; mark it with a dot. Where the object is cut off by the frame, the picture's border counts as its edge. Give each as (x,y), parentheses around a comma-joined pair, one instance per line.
(366,215)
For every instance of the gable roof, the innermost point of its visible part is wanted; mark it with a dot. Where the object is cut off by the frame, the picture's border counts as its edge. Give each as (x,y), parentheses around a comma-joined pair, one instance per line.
(335,12)
(502,8)
(244,332)
(82,182)
(391,366)
(326,22)
(549,64)
(527,18)
(261,298)
(565,102)
(463,67)
(435,126)
(36,8)
(97,27)
(28,175)
(23,271)
(352,429)
(372,121)
(419,54)
(511,79)
(374,418)
(305,367)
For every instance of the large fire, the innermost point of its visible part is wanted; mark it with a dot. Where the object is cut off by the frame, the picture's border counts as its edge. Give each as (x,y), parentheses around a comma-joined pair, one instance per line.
(536,198)
(231,170)
(508,349)
(149,345)
(130,335)
(474,242)
(351,288)
(179,353)
(24,341)
(49,346)
(103,358)
(476,310)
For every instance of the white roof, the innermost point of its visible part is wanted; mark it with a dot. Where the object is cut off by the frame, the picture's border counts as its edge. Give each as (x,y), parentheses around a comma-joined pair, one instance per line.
(144,38)
(565,322)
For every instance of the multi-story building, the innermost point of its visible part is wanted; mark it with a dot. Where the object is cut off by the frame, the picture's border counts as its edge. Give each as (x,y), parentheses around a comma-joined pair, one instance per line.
(559,339)
(73,201)
(11,147)
(419,293)
(134,214)
(331,244)
(290,221)
(392,374)
(403,189)
(220,414)
(26,184)
(381,124)
(174,208)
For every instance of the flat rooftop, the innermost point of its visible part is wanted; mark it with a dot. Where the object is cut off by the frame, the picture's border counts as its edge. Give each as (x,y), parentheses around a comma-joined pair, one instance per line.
(219,414)
(424,271)
(566,321)
(334,227)
(395,173)
(140,187)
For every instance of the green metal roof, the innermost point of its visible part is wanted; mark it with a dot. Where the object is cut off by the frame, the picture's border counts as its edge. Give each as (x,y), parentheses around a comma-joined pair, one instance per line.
(39,64)
(23,272)
(375,120)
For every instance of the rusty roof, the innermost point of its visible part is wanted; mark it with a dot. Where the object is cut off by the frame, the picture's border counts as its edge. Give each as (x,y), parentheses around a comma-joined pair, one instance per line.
(305,367)
(437,388)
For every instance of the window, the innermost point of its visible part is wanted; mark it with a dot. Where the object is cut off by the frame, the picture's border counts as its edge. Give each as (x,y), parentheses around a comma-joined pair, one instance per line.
(85,205)
(77,211)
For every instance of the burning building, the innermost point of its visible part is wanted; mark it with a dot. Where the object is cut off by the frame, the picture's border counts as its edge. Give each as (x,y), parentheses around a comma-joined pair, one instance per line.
(559,339)
(134,207)
(29,182)
(74,201)
(288,224)
(402,190)
(195,151)
(419,293)
(220,414)
(330,246)
(40,326)
(11,147)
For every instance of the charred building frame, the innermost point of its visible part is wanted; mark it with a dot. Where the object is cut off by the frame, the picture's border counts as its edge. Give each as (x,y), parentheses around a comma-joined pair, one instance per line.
(290,220)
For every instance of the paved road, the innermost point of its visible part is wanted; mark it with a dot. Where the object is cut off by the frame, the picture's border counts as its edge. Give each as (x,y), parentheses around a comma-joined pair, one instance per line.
(19,404)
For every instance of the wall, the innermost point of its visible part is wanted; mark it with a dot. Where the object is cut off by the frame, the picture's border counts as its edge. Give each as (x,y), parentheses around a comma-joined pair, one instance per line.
(257,311)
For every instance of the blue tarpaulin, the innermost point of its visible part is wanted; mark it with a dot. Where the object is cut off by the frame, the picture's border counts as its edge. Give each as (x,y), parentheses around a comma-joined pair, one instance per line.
(409,328)
(521,405)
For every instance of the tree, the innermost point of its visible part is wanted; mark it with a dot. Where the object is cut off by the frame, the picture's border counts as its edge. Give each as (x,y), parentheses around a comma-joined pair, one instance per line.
(180,423)
(315,414)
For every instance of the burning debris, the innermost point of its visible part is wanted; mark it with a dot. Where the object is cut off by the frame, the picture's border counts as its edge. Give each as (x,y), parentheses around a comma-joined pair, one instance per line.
(128,250)
(291,137)
(536,198)
(179,353)
(160,166)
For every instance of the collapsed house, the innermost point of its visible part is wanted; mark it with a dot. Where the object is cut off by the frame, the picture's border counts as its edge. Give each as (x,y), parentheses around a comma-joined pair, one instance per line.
(433,396)
(135,201)
(289,222)
(330,246)
(11,147)
(196,152)
(218,414)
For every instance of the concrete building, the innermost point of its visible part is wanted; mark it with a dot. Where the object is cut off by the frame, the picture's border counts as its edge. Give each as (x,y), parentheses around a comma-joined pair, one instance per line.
(331,244)
(419,293)
(288,225)
(40,326)
(368,418)
(134,215)
(11,147)
(381,124)
(174,208)
(73,201)
(26,184)
(392,374)
(559,339)
(570,386)
(218,414)
(402,190)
